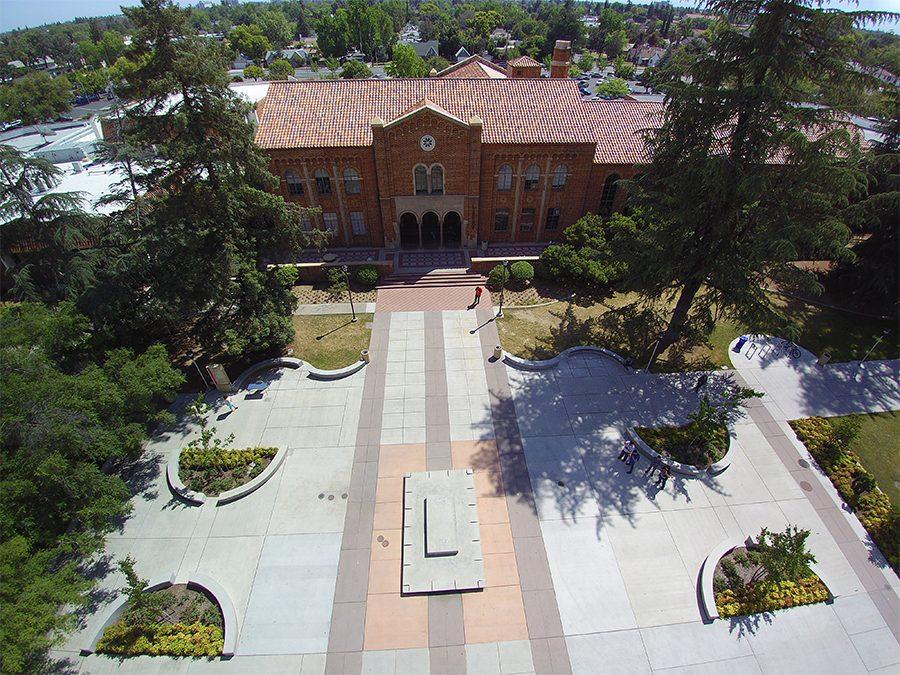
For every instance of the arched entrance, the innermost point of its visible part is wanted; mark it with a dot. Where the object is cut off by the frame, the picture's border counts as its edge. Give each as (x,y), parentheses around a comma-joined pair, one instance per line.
(452,230)
(409,231)
(431,230)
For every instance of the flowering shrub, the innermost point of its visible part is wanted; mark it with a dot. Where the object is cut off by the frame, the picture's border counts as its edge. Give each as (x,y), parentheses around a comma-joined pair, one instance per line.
(768,596)
(830,446)
(215,470)
(161,639)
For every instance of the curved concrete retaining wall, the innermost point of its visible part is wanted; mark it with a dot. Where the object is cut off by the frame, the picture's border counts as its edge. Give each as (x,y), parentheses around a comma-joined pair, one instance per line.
(708,571)
(678,467)
(319,374)
(278,362)
(229,495)
(114,611)
(229,614)
(527,364)
(243,490)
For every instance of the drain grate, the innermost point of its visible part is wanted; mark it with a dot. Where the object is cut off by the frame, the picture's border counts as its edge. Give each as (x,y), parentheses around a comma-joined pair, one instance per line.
(806,486)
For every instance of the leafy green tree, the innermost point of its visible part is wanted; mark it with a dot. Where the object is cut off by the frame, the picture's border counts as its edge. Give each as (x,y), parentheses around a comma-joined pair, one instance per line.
(37,97)
(355,70)
(255,72)
(485,22)
(783,555)
(564,23)
(53,224)
(438,63)
(624,69)
(194,270)
(406,63)
(250,41)
(280,69)
(333,34)
(613,87)
(588,254)
(70,420)
(713,415)
(614,43)
(91,81)
(276,27)
(585,62)
(143,607)
(742,180)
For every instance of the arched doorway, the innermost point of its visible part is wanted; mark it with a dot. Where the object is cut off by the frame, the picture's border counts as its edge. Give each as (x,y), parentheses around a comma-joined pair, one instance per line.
(452,230)
(431,230)
(409,231)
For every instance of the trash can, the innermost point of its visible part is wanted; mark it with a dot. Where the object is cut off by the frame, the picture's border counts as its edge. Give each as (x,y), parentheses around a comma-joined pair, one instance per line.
(739,345)
(498,352)
(364,355)
(824,358)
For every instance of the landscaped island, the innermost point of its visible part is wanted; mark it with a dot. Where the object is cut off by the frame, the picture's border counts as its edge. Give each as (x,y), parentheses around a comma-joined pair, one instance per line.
(217,470)
(174,621)
(684,445)
(771,574)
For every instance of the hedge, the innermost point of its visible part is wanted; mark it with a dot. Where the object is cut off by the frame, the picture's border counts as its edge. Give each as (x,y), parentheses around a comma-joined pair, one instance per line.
(855,484)
(162,639)
(768,596)
(367,275)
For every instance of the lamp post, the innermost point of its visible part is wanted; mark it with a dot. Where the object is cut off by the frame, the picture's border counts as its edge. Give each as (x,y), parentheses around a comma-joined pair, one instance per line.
(503,288)
(190,355)
(346,271)
(881,337)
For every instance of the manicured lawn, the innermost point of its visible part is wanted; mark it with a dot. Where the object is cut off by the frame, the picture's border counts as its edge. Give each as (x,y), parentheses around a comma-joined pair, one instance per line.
(617,324)
(329,340)
(878,447)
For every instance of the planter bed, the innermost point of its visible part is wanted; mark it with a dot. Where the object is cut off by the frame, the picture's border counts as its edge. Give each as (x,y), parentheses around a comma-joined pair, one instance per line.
(734,599)
(187,623)
(213,472)
(676,444)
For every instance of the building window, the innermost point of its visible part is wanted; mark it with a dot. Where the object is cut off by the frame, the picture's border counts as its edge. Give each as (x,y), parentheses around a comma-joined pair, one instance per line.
(501,220)
(609,194)
(358,223)
(330,222)
(559,177)
(437,179)
(504,178)
(532,175)
(527,221)
(420,174)
(323,182)
(294,184)
(305,223)
(351,182)
(552,219)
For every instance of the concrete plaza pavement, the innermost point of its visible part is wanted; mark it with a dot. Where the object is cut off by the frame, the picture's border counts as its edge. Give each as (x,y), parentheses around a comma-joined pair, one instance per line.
(591,569)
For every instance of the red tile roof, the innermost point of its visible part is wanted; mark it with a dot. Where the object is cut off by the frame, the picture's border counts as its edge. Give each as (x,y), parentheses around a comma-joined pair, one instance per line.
(338,113)
(524,61)
(617,127)
(474,66)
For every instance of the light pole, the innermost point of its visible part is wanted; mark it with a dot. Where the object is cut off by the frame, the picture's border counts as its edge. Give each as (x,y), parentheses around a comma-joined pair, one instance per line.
(346,271)
(503,288)
(881,337)
(653,355)
(190,355)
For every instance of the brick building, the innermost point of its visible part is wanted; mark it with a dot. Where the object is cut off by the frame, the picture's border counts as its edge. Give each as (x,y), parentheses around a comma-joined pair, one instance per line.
(467,156)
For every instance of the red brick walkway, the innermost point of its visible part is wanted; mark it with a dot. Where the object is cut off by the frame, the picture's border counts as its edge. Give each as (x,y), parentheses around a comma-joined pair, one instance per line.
(435,291)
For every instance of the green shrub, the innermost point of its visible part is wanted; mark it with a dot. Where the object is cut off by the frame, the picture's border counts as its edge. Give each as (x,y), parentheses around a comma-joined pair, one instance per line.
(367,275)
(498,277)
(287,276)
(683,444)
(522,271)
(561,261)
(769,596)
(161,639)
(213,471)
(830,446)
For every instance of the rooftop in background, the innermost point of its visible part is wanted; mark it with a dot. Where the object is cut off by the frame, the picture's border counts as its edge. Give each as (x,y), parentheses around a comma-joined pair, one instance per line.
(474,66)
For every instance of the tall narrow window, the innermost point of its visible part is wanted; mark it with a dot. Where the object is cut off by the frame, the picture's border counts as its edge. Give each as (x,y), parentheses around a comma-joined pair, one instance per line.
(294,184)
(532,176)
(351,182)
(437,179)
(331,223)
(323,182)
(504,178)
(501,220)
(552,219)
(358,223)
(609,194)
(559,177)
(526,223)
(420,173)
(305,223)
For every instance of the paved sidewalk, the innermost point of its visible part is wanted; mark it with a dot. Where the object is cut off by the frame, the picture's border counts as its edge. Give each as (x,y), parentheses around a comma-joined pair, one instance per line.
(335,308)
(797,388)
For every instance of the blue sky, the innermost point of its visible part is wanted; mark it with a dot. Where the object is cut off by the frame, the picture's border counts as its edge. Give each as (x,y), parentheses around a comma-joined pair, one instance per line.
(23,13)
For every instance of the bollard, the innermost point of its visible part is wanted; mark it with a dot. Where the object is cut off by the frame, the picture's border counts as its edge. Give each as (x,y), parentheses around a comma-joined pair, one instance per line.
(498,352)
(364,355)
(824,359)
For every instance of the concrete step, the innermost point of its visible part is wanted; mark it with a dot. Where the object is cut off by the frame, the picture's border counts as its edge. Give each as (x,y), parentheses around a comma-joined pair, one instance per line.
(432,280)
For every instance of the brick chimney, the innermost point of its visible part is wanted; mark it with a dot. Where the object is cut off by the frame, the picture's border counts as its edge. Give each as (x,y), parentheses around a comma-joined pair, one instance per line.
(562,56)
